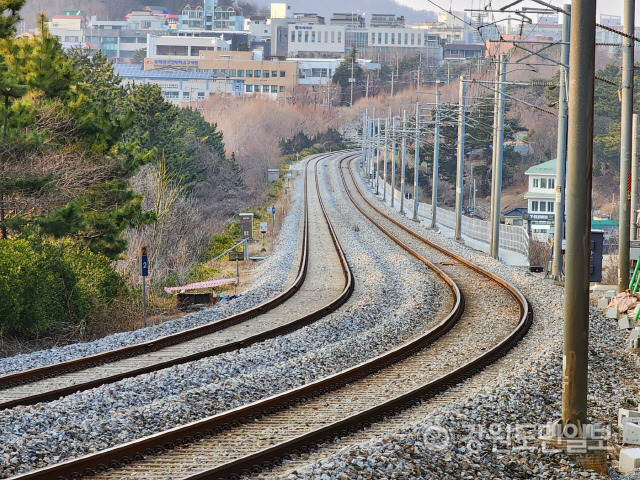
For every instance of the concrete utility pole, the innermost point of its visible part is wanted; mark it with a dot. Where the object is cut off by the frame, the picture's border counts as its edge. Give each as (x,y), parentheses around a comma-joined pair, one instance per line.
(386,158)
(561,149)
(351,81)
(436,160)
(417,156)
(378,159)
(634,180)
(460,169)
(393,162)
(625,145)
(373,132)
(364,140)
(579,176)
(496,174)
(403,163)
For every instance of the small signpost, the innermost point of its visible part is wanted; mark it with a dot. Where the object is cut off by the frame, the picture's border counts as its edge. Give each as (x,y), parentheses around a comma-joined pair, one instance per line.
(237,256)
(272,211)
(144,267)
(263,231)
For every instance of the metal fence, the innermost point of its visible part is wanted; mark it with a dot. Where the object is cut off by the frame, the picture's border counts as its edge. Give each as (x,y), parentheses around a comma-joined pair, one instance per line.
(513,238)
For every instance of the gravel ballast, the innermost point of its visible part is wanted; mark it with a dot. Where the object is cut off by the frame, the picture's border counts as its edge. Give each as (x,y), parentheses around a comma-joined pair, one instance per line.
(492,431)
(395,297)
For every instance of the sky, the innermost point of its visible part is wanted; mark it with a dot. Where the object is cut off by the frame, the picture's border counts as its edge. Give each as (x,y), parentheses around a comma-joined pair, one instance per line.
(608,7)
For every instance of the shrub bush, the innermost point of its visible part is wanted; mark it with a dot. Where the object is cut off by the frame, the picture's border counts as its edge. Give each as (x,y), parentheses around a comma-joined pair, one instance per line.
(48,285)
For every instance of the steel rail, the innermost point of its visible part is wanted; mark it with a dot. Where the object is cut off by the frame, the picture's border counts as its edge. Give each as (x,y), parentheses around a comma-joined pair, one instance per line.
(155,444)
(147,347)
(136,450)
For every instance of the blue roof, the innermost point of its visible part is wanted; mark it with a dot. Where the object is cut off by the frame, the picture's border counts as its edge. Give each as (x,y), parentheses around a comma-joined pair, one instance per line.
(136,71)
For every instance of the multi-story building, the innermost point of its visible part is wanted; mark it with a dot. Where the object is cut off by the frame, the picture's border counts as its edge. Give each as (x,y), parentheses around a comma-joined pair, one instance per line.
(351,20)
(386,20)
(274,78)
(228,18)
(180,86)
(540,199)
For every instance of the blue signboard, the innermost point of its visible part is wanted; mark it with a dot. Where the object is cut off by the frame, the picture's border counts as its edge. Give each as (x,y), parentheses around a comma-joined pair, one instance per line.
(144,263)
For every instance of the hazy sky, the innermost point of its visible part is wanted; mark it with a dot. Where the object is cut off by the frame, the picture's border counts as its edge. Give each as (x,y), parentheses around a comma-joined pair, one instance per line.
(609,7)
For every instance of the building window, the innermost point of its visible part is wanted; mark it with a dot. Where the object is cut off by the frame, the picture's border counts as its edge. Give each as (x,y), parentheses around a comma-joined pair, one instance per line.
(406,39)
(543,183)
(249,88)
(216,71)
(200,95)
(185,95)
(299,36)
(265,73)
(257,73)
(326,37)
(282,73)
(413,40)
(550,207)
(386,38)
(281,88)
(249,73)
(232,72)
(393,38)
(265,88)
(241,73)
(293,36)
(333,38)
(339,37)
(536,183)
(543,206)
(274,89)
(274,73)
(534,206)
(552,183)
(313,37)
(171,94)
(224,70)
(306,36)
(373,39)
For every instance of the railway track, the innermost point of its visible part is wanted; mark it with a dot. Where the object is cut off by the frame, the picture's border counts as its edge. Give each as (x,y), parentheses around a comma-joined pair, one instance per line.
(256,436)
(323,283)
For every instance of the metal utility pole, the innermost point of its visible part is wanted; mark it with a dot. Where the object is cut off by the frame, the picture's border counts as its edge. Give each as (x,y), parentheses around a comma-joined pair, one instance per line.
(392,82)
(403,162)
(634,180)
(436,160)
(625,145)
(367,88)
(561,149)
(393,162)
(417,164)
(496,177)
(378,160)
(460,169)
(579,177)
(386,158)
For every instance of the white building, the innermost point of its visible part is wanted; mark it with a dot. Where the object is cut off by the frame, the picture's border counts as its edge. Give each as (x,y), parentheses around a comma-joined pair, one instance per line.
(316,40)
(540,199)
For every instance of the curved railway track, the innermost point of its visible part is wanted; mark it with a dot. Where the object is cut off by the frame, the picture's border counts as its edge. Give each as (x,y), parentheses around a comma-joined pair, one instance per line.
(323,283)
(250,438)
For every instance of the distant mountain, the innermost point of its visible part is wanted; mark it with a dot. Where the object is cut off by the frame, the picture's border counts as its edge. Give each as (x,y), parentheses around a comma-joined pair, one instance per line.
(117,9)
(327,7)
